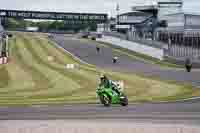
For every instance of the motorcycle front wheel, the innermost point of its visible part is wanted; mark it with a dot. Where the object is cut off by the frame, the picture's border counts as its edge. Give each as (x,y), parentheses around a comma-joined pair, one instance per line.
(124,101)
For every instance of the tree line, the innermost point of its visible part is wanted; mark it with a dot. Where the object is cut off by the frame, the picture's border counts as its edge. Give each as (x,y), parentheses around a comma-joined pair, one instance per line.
(16,24)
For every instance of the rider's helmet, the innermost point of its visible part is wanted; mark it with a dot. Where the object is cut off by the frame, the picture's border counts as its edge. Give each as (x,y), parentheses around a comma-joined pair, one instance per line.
(102,76)
(115,57)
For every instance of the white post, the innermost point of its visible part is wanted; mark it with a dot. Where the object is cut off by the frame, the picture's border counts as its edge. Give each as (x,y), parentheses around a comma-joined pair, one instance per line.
(7,46)
(170,46)
(1,43)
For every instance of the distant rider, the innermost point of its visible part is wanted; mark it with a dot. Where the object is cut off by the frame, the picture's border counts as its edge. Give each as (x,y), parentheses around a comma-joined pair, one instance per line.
(115,59)
(98,49)
(188,64)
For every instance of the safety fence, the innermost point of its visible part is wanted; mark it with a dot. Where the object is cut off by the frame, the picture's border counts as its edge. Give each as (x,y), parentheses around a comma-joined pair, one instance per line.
(181,44)
(177,44)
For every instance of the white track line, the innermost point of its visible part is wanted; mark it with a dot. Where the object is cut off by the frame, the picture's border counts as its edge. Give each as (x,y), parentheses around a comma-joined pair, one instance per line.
(73,56)
(182,100)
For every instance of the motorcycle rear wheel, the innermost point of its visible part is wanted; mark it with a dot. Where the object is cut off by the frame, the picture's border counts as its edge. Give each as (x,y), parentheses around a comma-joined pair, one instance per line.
(106,100)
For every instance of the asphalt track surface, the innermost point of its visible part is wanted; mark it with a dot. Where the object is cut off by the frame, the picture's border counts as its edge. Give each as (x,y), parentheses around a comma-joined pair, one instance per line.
(187,112)
(86,51)
(183,112)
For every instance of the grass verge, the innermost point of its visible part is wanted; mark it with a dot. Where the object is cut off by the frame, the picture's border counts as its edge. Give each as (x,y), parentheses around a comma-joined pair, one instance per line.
(30,78)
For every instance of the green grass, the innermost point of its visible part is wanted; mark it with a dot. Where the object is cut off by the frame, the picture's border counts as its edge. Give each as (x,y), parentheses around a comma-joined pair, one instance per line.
(4,77)
(30,78)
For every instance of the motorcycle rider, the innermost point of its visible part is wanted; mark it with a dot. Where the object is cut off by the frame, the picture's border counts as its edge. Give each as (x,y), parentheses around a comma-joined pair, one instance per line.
(97,49)
(188,64)
(104,81)
(115,59)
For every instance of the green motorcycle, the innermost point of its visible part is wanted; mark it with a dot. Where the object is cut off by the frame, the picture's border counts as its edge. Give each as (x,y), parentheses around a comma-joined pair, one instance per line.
(108,96)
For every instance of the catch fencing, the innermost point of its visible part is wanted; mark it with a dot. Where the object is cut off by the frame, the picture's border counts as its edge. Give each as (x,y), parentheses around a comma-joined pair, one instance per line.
(176,44)
(181,44)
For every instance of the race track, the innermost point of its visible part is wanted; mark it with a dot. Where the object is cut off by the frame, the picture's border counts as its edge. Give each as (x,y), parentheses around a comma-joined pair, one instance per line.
(174,112)
(86,51)
(183,112)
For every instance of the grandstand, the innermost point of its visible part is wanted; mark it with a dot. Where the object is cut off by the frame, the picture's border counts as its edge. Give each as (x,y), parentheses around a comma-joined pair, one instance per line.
(134,17)
(141,19)
(164,14)
(152,9)
(167,7)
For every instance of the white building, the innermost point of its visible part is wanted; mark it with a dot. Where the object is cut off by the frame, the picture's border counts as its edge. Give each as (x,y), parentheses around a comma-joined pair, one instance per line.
(110,26)
(183,21)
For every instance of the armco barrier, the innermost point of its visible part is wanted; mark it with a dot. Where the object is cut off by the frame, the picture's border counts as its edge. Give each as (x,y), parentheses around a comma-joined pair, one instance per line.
(136,47)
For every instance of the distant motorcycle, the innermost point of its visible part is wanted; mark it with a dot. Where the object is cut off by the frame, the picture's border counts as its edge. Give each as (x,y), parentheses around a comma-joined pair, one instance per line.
(97,49)
(115,59)
(188,65)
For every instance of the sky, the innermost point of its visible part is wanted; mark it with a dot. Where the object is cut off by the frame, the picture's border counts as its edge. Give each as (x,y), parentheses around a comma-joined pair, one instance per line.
(94,6)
